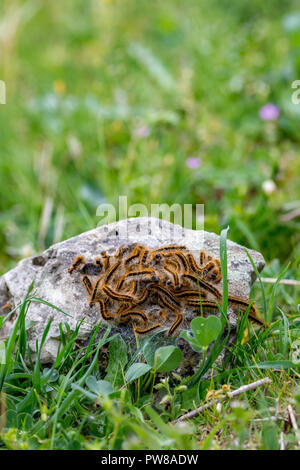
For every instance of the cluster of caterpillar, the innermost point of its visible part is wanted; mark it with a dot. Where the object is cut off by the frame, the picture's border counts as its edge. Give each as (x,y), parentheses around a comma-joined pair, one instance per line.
(136,277)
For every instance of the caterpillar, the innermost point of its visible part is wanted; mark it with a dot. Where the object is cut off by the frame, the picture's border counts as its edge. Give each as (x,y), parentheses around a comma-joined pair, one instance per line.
(183,259)
(115,295)
(164,302)
(205,303)
(193,265)
(171,247)
(178,321)
(144,255)
(190,293)
(112,270)
(134,254)
(202,283)
(103,311)
(145,331)
(87,283)
(138,274)
(76,263)
(134,313)
(166,293)
(253,312)
(174,275)
(105,260)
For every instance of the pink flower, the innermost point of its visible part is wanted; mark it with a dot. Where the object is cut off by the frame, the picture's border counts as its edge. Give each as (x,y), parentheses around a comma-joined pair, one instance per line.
(142,132)
(193,162)
(269,112)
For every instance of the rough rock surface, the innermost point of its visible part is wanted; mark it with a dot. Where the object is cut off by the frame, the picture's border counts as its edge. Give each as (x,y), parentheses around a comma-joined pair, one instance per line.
(55,285)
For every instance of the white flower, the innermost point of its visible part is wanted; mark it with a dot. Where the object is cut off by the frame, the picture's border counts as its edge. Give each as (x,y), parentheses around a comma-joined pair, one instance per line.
(268,187)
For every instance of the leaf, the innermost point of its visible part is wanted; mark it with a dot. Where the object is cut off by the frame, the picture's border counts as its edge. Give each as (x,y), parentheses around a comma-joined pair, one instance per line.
(99,387)
(272,299)
(137,370)
(185,334)
(153,343)
(270,437)
(168,358)
(206,329)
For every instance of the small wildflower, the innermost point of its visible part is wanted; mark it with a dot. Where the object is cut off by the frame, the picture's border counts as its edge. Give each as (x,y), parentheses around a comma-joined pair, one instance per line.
(193,162)
(181,388)
(165,400)
(269,112)
(226,388)
(142,132)
(26,251)
(210,394)
(59,87)
(268,187)
(176,376)
(219,407)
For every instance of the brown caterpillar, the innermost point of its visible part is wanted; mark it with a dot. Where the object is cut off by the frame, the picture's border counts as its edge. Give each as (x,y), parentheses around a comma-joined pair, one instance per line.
(140,278)
(145,331)
(190,293)
(76,263)
(178,320)
(115,295)
(134,313)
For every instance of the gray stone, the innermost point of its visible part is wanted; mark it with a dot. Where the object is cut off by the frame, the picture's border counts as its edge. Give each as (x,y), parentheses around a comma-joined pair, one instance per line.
(55,285)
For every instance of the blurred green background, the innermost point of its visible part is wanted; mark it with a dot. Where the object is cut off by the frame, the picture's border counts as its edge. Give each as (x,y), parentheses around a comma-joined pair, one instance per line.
(159,101)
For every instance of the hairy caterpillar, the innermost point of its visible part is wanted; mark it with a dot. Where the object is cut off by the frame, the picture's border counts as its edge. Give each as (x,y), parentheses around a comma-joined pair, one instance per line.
(76,263)
(179,319)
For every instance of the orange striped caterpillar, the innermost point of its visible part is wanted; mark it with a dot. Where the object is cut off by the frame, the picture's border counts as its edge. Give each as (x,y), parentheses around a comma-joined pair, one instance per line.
(135,253)
(170,247)
(199,281)
(103,311)
(134,313)
(178,321)
(164,302)
(214,269)
(205,303)
(105,260)
(76,263)
(183,259)
(112,271)
(144,256)
(145,331)
(115,295)
(190,293)
(87,283)
(138,274)
(243,304)
(192,263)
(174,275)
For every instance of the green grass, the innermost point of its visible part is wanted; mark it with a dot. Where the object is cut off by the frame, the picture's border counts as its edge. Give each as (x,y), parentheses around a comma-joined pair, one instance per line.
(84,78)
